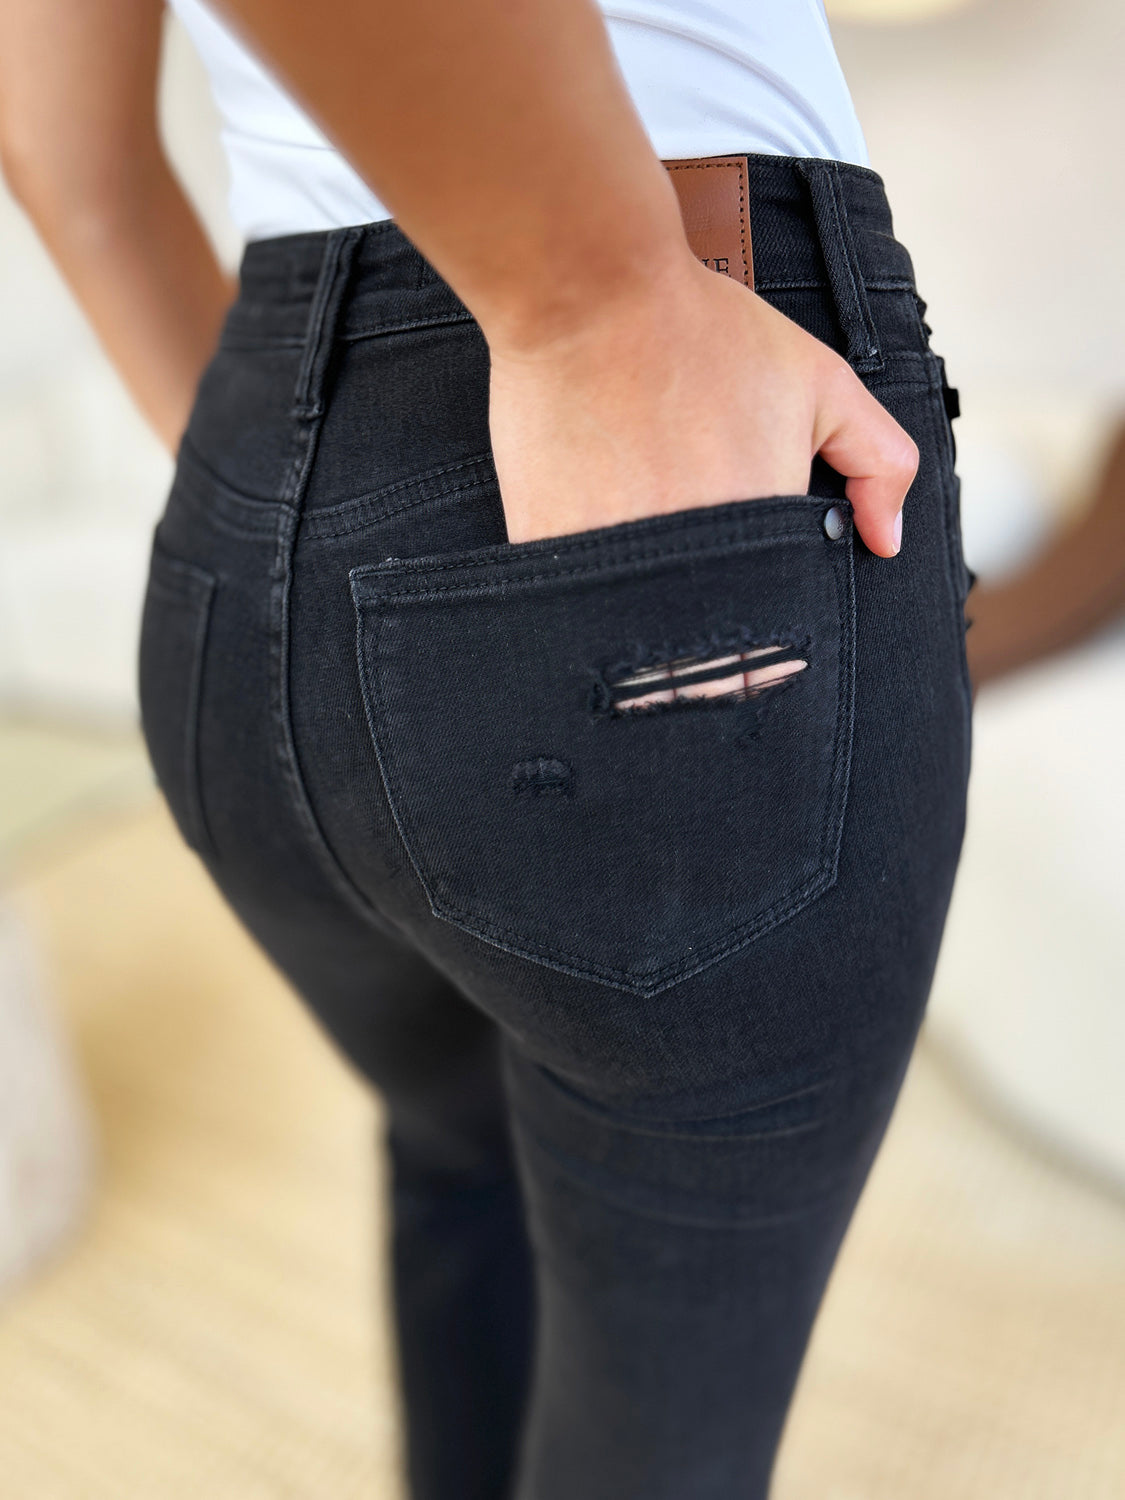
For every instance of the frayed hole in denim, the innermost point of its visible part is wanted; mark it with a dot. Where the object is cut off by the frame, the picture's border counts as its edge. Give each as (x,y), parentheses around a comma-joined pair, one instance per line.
(734,677)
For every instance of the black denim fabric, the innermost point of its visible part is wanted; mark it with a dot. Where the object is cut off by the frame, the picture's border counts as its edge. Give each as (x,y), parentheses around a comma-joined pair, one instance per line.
(638,987)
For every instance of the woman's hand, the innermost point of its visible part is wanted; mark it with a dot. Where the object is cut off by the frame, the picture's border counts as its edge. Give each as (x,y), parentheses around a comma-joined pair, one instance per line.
(623,383)
(679,395)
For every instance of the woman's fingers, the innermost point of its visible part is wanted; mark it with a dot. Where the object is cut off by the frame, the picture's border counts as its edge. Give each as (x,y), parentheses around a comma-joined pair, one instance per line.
(696,396)
(879,460)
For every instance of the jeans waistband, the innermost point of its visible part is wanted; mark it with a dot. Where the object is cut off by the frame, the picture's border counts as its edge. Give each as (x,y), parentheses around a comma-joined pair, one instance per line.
(815,223)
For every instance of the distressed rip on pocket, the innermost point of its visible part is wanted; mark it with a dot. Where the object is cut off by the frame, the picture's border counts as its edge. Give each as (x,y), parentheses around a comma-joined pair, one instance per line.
(623,753)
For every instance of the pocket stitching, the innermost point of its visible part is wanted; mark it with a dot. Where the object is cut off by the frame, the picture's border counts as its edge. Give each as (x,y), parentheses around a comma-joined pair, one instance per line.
(831,835)
(507,554)
(199,594)
(418,590)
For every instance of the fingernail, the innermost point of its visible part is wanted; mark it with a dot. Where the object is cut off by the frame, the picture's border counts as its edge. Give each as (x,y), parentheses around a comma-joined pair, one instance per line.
(896,531)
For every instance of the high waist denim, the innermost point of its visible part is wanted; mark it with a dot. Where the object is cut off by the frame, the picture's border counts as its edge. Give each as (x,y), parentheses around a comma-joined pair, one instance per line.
(636,975)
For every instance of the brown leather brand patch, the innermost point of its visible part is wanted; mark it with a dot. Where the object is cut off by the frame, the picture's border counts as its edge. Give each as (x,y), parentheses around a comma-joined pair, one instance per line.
(714,202)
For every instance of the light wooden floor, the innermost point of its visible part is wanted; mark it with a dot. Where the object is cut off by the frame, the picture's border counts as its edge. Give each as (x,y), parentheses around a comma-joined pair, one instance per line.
(218,1329)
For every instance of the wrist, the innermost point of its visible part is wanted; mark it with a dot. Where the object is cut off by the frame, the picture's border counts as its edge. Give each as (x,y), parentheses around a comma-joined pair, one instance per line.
(598,267)
(590,302)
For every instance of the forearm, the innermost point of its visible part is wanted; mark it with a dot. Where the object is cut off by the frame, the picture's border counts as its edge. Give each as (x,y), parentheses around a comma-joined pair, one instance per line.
(1075,587)
(139,263)
(1060,602)
(81,152)
(501,136)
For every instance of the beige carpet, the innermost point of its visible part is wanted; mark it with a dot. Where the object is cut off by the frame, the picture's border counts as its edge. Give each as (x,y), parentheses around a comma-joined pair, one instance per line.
(218,1330)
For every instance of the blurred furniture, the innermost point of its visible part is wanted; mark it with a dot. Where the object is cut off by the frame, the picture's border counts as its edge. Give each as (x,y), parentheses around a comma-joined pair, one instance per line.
(1028,995)
(46,1152)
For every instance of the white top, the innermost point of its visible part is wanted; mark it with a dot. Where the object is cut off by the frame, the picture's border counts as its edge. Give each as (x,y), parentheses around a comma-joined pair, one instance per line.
(707,77)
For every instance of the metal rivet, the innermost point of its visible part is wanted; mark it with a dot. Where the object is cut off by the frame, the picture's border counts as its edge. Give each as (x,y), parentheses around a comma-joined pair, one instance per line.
(835,523)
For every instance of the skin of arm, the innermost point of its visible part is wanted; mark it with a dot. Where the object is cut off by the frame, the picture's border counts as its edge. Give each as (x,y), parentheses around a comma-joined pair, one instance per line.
(1072,589)
(626,378)
(80,150)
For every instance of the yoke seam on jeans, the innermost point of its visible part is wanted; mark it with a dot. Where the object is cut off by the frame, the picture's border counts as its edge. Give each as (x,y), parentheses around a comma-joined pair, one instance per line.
(248,345)
(370,496)
(372,517)
(447,321)
(371,499)
(256,506)
(214,517)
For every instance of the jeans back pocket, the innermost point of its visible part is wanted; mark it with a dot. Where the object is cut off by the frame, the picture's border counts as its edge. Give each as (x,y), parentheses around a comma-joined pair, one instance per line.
(177,611)
(623,753)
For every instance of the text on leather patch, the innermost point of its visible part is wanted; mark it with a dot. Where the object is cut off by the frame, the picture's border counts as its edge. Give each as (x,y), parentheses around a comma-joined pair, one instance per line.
(715,206)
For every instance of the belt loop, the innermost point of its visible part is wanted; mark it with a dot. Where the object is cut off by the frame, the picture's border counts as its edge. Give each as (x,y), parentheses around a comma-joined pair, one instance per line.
(845,277)
(335,269)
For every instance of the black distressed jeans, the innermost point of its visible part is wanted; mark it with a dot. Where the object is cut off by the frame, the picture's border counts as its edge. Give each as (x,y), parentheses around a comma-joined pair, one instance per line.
(637,968)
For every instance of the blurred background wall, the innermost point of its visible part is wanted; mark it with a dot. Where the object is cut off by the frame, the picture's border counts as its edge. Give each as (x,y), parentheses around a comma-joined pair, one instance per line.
(81,478)
(998,127)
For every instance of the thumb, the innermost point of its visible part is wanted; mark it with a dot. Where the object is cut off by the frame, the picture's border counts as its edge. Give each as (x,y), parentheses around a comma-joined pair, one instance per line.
(862,441)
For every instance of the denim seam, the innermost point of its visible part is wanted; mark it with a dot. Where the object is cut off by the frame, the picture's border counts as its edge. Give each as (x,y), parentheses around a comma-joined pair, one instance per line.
(818,284)
(254,515)
(359,335)
(871,358)
(213,516)
(372,499)
(713,545)
(308,410)
(371,496)
(405,326)
(656,526)
(371,515)
(201,597)
(841,263)
(248,345)
(219,522)
(676,971)
(915,356)
(282,341)
(339,249)
(849,169)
